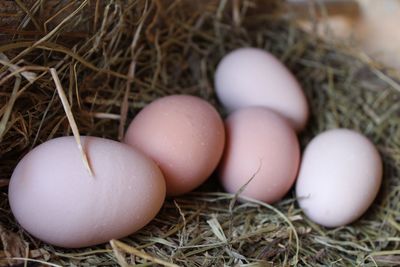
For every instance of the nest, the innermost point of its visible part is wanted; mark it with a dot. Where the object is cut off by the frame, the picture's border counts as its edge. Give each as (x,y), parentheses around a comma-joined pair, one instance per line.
(114,57)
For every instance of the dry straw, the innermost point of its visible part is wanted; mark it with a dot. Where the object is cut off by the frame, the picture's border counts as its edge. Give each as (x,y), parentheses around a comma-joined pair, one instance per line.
(113,57)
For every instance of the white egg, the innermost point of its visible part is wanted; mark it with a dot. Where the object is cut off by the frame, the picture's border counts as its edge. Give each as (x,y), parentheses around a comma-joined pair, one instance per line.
(253,77)
(339,178)
(53,197)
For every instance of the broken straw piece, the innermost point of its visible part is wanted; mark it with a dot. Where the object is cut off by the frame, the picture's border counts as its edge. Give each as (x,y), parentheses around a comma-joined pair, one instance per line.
(30,76)
(70,118)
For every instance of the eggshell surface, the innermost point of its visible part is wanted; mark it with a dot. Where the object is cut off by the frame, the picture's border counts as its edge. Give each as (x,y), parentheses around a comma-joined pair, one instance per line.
(54,198)
(339,177)
(253,77)
(184,135)
(260,146)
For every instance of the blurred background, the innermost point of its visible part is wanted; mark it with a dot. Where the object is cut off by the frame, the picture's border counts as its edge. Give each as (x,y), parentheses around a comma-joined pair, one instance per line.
(371,25)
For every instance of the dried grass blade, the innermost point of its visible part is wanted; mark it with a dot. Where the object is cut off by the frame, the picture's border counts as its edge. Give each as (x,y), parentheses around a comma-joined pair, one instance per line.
(30,76)
(217,229)
(37,261)
(131,76)
(131,250)
(59,48)
(28,13)
(10,105)
(125,104)
(21,70)
(70,118)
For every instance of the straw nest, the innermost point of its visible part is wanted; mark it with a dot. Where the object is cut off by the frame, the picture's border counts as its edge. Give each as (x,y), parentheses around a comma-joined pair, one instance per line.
(116,56)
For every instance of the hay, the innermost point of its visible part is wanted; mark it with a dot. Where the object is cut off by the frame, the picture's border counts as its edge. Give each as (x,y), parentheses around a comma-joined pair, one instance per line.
(113,59)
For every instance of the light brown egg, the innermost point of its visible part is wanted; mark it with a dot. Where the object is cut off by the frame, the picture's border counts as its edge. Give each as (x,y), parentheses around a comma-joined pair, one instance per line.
(262,154)
(54,198)
(184,135)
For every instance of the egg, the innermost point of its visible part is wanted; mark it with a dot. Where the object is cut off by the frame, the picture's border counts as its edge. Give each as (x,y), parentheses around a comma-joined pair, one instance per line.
(253,77)
(339,177)
(54,198)
(262,154)
(184,135)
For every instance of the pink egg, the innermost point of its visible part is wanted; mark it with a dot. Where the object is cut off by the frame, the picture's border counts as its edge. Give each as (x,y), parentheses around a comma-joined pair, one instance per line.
(262,150)
(184,135)
(54,198)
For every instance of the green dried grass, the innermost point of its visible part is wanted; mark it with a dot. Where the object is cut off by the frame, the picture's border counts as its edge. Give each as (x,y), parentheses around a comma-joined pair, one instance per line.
(115,58)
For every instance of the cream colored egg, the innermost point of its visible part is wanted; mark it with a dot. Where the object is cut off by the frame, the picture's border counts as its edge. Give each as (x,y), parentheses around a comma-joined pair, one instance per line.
(262,154)
(339,177)
(53,197)
(253,77)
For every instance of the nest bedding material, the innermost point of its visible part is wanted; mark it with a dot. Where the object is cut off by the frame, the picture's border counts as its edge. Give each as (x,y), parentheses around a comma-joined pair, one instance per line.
(114,57)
